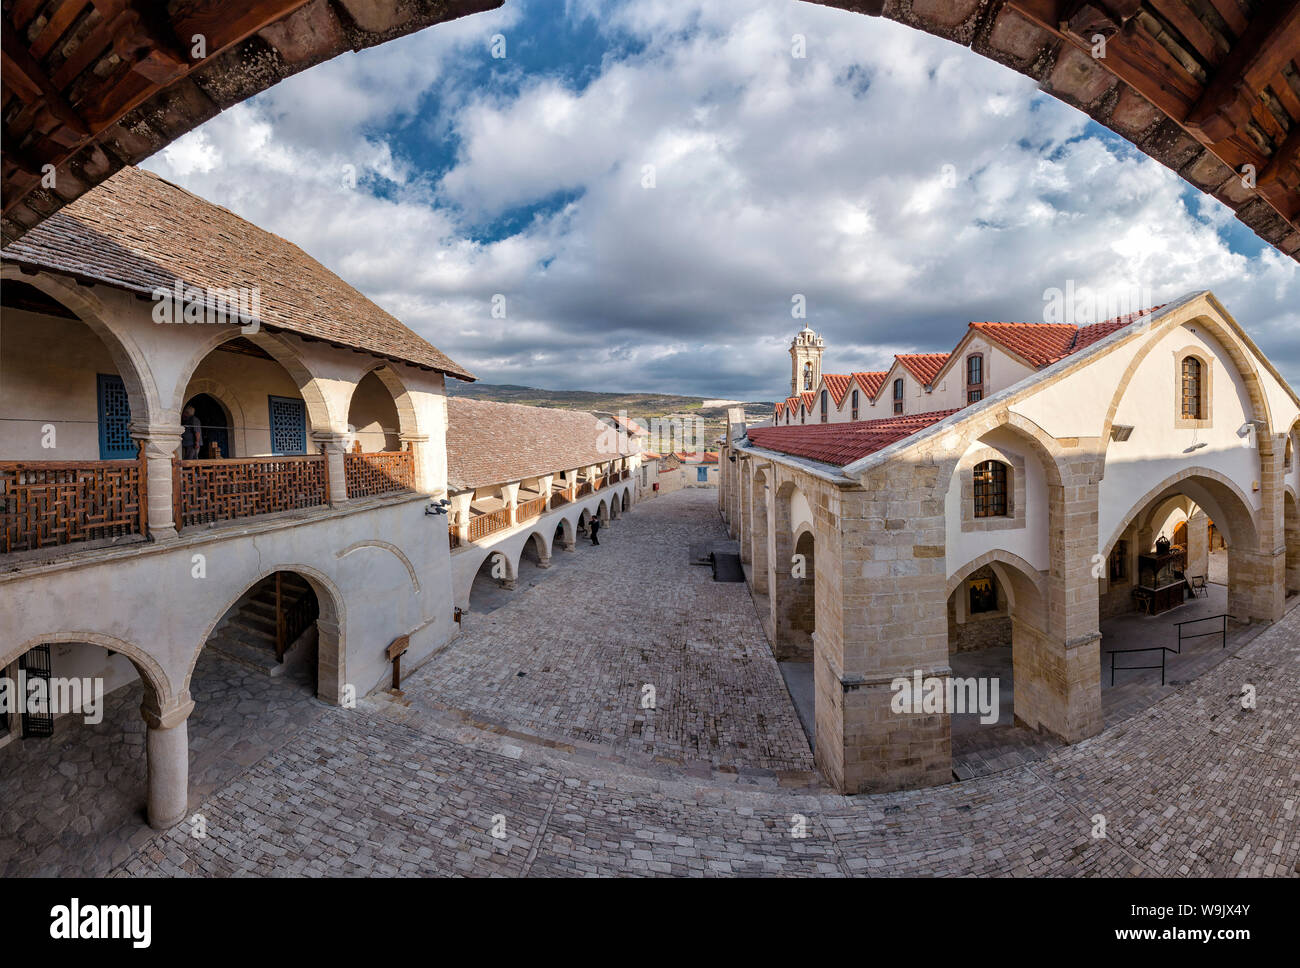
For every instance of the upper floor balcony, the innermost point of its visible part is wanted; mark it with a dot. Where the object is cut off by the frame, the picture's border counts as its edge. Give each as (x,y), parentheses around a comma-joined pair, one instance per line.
(116,429)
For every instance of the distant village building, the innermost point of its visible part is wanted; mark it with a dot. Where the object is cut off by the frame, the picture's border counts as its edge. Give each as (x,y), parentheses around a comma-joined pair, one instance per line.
(1029,485)
(210,441)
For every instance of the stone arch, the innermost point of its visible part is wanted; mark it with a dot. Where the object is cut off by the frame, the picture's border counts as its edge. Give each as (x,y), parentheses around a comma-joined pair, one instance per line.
(228,400)
(320,415)
(627,499)
(1225,336)
(602,512)
(1219,496)
(564,533)
(1291,528)
(760,539)
(408,423)
(997,556)
(541,549)
(392,549)
(158,688)
(331,625)
(147,408)
(486,564)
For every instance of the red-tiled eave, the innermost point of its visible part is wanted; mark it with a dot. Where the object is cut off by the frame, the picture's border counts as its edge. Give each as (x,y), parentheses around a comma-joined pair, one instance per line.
(806,399)
(924,366)
(841,444)
(871,382)
(1035,343)
(838,384)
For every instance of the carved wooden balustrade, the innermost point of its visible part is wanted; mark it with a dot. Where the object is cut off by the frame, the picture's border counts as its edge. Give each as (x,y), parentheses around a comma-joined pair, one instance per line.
(48,503)
(560,498)
(382,472)
(598,483)
(223,490)
(583,490)
(482,525)
(530,509)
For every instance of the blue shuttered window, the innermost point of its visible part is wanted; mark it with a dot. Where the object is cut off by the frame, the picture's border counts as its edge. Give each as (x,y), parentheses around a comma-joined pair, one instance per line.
(115,441)
(288,425)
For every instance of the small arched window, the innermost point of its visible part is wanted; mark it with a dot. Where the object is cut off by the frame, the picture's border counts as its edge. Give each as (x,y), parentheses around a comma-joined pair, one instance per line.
(1192,390)
(855,405)
(823,406)
(1290,453)
(898,395)
(991,489)
(807,376)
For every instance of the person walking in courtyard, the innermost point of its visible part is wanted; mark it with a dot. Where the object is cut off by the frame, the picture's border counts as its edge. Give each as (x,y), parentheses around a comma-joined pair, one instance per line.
(192,438)
(595,529)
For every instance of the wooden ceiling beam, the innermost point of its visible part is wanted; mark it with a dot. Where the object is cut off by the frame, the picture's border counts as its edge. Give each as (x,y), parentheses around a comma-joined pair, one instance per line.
(1270,40)
(22,70)
(1285,157)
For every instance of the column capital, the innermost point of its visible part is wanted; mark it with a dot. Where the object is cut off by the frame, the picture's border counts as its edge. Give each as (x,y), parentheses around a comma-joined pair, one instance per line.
(331,440)
(176,712)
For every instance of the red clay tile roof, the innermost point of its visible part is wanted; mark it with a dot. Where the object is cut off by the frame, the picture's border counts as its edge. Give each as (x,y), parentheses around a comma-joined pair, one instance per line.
(493,443)
(838,384)
(1037,343)
(924,366)
(138,232)
(1043,344)
(871,381)
(806,398)
(843,443)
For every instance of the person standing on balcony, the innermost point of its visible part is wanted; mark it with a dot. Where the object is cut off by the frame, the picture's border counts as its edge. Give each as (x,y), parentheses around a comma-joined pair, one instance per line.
(595,529)
(192,438)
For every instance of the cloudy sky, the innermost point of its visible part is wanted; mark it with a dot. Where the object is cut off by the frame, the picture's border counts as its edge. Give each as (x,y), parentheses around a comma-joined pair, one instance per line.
(649,184)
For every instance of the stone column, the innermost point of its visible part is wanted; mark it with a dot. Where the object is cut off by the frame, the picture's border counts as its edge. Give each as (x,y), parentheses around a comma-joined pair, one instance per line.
(422,457)
(510,493)
(759,556)
(460,506)
(1198,544)
(545,484)
(334,445)
(168,761)
(331,675)
(161,443)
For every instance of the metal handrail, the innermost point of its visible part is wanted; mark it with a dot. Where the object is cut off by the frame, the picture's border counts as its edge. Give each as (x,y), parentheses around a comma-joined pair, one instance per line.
(1155,648)
(1223,631)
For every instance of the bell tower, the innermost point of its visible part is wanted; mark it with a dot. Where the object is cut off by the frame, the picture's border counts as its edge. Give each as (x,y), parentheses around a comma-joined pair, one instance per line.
(805,361)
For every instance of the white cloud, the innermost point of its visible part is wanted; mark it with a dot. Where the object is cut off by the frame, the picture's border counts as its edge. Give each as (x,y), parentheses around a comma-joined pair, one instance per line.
(824,175)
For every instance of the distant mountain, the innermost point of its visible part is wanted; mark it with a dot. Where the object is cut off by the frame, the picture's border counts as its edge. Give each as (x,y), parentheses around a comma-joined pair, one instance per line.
(642,405)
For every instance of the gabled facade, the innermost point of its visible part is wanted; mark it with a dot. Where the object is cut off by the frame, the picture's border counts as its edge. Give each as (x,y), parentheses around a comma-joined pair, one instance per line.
(1052,490)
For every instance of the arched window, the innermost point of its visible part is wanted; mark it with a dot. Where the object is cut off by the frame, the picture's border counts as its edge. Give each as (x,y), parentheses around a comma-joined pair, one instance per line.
(1290,451)
(1193,384)
(855,405)
(807,376)
(975,378)
(898,395)
(991,489)
(823,406)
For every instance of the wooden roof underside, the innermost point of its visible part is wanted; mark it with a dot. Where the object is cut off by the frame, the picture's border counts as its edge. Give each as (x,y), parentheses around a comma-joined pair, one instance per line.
(92,85)
(1206,87)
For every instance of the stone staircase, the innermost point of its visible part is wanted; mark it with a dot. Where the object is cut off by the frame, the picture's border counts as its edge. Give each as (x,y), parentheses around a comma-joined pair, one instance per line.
(247,634)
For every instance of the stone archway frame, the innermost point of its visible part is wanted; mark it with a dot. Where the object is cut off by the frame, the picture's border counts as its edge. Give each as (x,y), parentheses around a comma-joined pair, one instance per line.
(320,417)
(392,549)
(1226,334)
(159,692)
(408,423)
(1223,518)
(147,409)
(538,539)
(331,626)
(229,402)
(1011,570)
(489,554)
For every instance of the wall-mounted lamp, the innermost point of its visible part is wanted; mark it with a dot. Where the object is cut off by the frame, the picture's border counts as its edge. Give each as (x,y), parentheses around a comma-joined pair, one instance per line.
(437,507)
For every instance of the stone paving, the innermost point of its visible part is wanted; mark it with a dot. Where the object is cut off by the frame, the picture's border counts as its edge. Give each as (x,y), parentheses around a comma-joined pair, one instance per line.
(419,784)
(570,655)
(74,803)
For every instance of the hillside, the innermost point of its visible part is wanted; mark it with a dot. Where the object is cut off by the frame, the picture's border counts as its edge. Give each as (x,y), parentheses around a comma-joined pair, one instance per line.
(643,406)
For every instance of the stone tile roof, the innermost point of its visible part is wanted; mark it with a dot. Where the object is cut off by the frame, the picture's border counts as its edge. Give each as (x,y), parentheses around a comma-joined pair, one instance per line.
(138,232)
(871,381)
(838,384)
(495,443)
(843,443)
(924,366)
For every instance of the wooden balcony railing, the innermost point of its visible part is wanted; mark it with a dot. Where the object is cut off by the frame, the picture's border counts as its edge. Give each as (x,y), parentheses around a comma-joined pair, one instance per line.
(530,509)
(379,473)
(453,537)
(598,483)
(222,490)
(583,490)
(482,525)
(48,503)
(560,498)
(625,475)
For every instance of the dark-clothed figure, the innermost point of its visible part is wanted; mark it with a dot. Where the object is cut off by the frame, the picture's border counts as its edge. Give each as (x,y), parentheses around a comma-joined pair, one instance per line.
(595,529)
(192,437)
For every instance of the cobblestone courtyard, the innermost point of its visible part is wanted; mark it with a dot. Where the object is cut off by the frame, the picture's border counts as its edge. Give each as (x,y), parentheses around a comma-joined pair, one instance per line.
(576,778)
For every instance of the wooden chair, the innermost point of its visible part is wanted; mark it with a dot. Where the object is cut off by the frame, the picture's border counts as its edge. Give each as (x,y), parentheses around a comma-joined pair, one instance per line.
(1200,587)
(1144,600)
